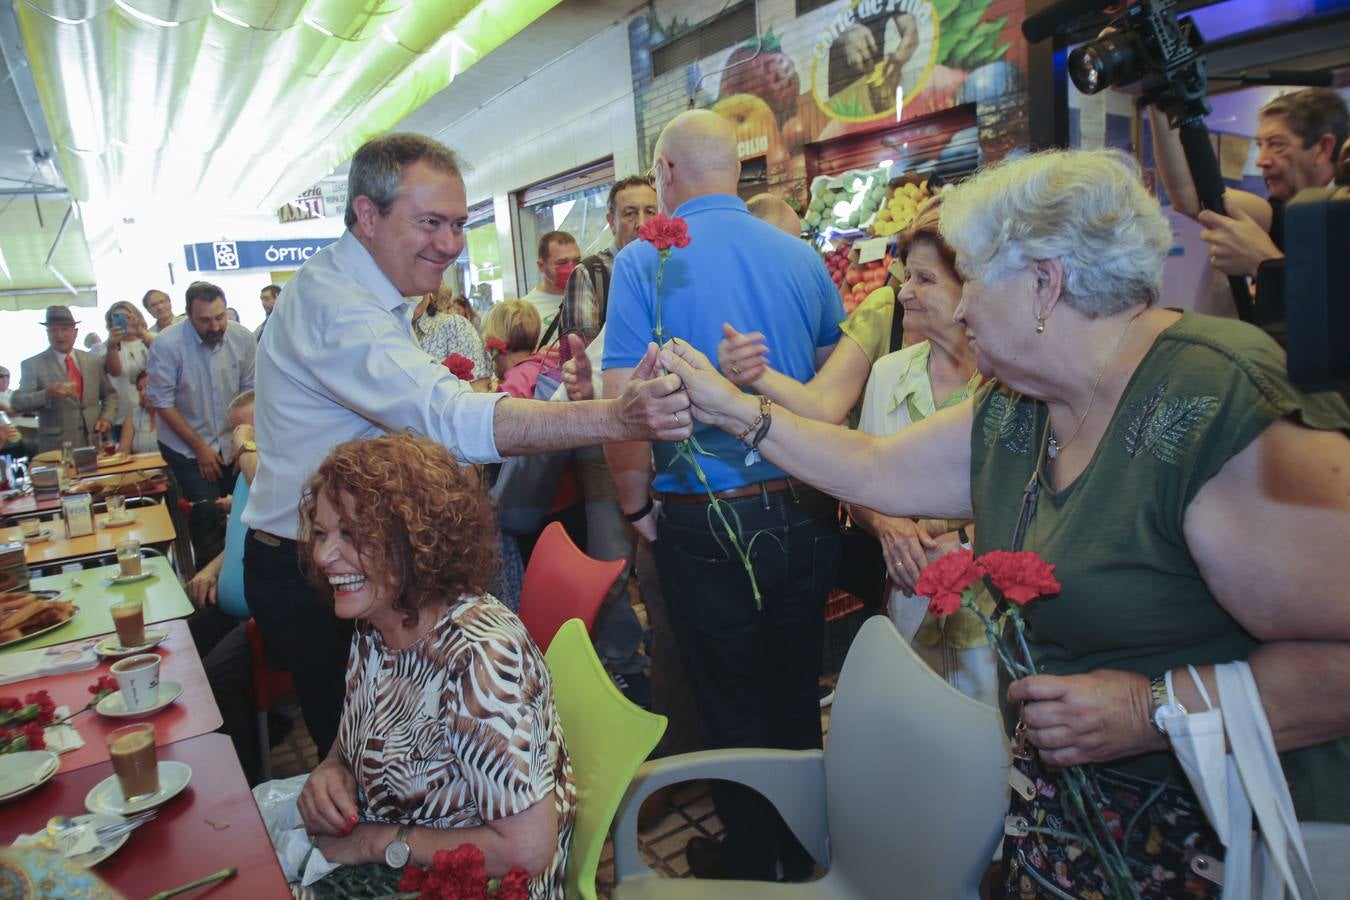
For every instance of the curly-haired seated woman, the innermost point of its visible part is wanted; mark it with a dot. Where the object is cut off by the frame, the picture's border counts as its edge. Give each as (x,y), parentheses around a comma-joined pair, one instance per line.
(448,733)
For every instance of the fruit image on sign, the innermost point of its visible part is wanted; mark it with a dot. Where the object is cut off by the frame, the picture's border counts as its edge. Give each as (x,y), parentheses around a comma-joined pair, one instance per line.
(876,53)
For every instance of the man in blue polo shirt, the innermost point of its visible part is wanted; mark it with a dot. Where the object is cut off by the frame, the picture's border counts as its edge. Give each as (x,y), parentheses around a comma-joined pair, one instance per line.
(754,670)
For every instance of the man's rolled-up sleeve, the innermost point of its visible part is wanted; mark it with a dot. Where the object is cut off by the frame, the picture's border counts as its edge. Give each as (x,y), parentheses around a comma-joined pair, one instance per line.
(161,366)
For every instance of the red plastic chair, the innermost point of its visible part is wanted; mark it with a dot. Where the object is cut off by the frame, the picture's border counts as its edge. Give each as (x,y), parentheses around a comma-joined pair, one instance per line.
(269,686)
(562,583)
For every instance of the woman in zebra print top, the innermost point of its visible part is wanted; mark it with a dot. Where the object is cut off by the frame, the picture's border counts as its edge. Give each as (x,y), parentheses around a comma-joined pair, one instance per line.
(448,734)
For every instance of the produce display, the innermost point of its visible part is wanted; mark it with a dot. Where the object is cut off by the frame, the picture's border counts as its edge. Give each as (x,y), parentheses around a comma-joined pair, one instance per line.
(845,202)
(899,208)
(861,280)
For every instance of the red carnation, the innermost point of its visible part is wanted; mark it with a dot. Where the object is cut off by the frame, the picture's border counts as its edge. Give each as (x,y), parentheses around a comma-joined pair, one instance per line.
(1020,576)
(495,346)
(943,580)
(663,232)
(460,366)
(33,736)
(515,886)
(412,880)
(185,506)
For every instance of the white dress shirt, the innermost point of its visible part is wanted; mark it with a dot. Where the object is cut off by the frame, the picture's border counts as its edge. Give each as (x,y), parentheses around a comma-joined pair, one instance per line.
(338,363)
(199,380)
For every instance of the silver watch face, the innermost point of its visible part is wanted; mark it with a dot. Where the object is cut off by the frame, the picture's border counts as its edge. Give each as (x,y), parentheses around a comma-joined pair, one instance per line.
(396,854)
(1166,711)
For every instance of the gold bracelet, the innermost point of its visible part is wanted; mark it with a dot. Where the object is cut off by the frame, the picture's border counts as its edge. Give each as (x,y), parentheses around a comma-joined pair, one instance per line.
(764,404)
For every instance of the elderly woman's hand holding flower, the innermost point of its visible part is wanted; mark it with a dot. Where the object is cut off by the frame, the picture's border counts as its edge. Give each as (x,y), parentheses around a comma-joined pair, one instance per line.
(715,401)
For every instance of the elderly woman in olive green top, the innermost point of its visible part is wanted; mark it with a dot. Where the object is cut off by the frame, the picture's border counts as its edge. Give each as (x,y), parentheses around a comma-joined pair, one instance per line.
(1194,502)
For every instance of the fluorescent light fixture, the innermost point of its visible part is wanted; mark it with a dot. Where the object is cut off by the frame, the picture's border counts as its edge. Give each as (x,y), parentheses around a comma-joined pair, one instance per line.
(146,18)
(317,27)
(233,20)
(4,266)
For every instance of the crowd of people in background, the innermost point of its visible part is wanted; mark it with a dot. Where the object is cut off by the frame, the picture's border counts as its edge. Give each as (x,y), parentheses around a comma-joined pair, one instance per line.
(360,466)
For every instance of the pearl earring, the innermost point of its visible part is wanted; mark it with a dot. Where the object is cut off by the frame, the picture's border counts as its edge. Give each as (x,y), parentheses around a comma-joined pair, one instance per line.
(1040,325)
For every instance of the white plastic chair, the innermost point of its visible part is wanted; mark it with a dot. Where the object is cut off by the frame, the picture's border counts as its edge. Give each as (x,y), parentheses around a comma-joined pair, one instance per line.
(906,800)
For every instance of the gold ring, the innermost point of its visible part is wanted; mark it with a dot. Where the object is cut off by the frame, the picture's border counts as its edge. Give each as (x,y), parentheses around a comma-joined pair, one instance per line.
(735,369)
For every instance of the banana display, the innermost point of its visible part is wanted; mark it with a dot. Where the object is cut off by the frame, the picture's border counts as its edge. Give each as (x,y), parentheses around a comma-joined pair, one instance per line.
(899,209)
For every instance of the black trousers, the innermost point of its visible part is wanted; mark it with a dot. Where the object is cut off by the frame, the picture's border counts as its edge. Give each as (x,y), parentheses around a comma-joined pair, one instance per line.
(302,629)
(754,671)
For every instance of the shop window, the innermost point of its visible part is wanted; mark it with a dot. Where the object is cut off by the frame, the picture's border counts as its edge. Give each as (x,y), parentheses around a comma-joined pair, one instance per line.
(575,203)
(480,265)
(726,29)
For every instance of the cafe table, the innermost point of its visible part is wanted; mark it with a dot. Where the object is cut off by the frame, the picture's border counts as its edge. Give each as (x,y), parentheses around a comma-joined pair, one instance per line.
(193,713)
(26,506)
(212,825)
(162,595)
(153,528)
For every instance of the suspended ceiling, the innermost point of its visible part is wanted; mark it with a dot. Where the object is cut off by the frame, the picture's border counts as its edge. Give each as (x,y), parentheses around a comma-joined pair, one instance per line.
(237,104)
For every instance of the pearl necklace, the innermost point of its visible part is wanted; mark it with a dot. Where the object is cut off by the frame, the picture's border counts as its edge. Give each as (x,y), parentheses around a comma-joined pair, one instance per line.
(1053,446)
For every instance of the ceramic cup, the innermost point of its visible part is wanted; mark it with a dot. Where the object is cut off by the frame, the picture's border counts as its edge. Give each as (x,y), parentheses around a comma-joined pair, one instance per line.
(138,679)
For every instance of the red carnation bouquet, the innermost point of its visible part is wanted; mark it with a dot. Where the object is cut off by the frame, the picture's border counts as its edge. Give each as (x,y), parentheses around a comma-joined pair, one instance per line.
(1016,578)
(22,722)
(460,874)
(460,366)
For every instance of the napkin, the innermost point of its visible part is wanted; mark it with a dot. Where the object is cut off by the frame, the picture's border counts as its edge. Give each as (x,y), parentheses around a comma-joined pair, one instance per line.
(62,738)
(71,842)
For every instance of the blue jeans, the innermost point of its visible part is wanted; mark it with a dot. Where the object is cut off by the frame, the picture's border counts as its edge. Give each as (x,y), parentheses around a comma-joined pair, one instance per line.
(754,671)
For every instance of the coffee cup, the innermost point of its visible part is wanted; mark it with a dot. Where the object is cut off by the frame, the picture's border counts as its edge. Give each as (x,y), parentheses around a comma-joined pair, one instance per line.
(129,619)
(129,557)
(138,679)
(31,528)
(117,510)
(132,751)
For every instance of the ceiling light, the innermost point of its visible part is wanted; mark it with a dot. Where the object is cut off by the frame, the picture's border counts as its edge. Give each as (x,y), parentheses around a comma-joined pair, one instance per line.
(233,20)
(144,17)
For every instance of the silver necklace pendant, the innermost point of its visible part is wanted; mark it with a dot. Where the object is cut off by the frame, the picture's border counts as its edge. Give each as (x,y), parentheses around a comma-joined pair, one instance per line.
(752,457)
(1052,446)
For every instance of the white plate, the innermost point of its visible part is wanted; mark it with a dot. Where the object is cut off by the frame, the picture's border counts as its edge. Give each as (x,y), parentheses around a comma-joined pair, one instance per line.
(44,534)
(109,522)
(110,648)
(106,796)
(116,459)
(115,705)
(127,579)
(103,850)
(26,770)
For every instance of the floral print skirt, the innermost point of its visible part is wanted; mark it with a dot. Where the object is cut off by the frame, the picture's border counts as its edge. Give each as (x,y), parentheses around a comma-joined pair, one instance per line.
(1161,838)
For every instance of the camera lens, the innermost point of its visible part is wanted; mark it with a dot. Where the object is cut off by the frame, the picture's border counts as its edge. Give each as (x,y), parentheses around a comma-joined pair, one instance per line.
(1103,63)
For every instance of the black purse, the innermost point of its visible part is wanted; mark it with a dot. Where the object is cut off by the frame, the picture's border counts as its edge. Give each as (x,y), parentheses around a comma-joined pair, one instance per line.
(862,567)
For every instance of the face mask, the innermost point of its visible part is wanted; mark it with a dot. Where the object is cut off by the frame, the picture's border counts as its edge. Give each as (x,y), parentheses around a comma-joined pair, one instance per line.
(562,272)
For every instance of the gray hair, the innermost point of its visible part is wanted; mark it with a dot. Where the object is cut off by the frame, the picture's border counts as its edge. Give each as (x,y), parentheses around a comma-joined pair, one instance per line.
(377,168)
(1086,208)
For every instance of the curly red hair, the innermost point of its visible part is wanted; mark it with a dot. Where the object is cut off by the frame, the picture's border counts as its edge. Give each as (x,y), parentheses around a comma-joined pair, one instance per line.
(425,528)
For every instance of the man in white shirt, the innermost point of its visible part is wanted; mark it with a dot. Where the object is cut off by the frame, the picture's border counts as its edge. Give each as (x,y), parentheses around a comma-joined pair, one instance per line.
(558,256)
(268,298)
(340,363)
(160,308)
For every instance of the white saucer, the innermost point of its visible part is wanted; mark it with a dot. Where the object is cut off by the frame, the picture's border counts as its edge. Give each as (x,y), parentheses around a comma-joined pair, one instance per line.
(115,705)
(127,579)
(106,796)
(109,647)
(103,850)
(26,770)
(109,522)
(44,534)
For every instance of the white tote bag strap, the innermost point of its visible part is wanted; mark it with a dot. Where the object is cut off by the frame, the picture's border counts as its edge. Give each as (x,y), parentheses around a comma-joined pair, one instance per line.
(1253,752)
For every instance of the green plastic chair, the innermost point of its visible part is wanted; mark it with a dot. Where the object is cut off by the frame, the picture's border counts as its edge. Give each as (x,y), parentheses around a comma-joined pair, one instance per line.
(607,737)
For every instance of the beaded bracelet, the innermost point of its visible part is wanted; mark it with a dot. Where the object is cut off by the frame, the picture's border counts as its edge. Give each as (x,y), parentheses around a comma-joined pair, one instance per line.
(764,403)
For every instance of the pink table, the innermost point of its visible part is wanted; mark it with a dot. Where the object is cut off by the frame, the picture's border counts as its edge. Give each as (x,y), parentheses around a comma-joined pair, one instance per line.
(192,714)
(212,825)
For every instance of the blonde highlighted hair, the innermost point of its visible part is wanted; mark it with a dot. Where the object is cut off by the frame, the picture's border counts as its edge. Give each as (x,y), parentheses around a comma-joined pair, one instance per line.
(514,323)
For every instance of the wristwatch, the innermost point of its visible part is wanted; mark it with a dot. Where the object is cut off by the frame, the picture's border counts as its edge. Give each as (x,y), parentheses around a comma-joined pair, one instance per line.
(1165,702)
(397,854)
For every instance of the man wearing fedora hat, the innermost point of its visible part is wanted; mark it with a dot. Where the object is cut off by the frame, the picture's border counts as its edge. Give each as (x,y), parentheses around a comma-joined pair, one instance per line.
(66,388)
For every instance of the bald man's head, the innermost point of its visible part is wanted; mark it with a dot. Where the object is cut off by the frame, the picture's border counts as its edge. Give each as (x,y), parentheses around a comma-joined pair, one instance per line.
(695,155)
(774,210)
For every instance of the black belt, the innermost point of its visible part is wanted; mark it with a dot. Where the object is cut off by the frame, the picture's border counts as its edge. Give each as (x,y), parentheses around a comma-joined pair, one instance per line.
(271,540)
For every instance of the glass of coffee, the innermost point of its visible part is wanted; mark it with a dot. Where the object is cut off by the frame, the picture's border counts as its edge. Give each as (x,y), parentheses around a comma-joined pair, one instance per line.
(117,510)
(129,619)
(132,750)
(129,557)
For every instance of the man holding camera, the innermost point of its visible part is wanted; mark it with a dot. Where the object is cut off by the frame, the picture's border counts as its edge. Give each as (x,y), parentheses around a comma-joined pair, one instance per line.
(1298,139)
